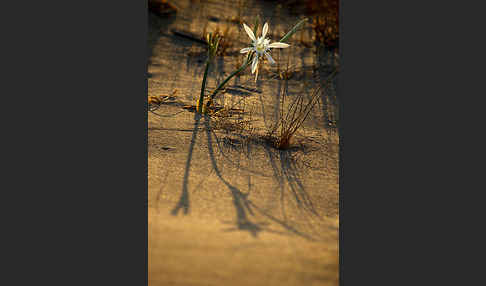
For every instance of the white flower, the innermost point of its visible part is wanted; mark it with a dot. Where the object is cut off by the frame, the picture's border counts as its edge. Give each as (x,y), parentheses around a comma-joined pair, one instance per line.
(261,46)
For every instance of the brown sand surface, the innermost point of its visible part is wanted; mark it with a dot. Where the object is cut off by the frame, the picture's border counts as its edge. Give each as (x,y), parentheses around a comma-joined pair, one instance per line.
(225,207)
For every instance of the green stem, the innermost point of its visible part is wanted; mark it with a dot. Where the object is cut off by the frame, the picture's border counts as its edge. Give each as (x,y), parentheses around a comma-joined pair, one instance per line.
(203,87)
(220,86)
(294,29)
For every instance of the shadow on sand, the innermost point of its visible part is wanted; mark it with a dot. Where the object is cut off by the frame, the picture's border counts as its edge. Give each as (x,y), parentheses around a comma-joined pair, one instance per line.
(284,171)
(184,199)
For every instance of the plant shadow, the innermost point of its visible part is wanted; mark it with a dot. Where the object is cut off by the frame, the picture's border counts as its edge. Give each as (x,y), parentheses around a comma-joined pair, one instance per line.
(245,208)
(240,199)
(184,202)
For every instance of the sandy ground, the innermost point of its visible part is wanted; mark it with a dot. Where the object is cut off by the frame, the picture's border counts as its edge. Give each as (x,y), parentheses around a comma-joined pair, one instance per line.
(225,208)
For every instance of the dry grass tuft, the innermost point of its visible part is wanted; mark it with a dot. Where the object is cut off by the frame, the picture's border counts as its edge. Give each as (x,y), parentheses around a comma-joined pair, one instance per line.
(232,120)
(161,7)
(154,101)
(325,21)
(230,125)
(292,119)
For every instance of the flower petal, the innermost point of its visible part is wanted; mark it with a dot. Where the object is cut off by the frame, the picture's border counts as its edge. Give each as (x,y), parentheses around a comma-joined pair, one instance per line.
(254,64)
(278,45)
(265,30)
(270,59)
(249,32)
(245,50)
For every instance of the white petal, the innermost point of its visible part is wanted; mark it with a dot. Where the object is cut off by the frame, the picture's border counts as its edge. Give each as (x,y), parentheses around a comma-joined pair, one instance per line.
(245,50)
(278,45)
(265,30)
(254,64)
(270,59)
(249,32)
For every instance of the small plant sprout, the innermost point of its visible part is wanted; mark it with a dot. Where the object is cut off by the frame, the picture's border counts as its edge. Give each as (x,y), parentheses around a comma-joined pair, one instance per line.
(213,42)
(260,46)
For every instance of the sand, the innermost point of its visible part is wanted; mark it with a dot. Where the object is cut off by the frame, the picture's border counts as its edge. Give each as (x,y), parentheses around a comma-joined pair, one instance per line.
(225,207)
